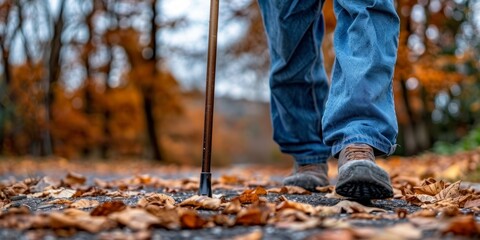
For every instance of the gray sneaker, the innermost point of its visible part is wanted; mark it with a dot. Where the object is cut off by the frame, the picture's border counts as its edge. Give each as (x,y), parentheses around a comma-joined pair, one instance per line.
(308,176)
(359,177)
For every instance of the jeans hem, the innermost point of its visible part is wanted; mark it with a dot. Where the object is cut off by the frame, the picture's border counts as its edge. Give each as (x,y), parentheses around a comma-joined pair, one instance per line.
(382,148)
(311,159)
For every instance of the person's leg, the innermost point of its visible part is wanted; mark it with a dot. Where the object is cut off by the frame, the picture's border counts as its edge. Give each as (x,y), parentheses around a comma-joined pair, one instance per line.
(360,107)
(298,81)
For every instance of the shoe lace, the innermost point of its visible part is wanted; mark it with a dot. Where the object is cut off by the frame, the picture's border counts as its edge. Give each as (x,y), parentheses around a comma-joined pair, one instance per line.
(359,152)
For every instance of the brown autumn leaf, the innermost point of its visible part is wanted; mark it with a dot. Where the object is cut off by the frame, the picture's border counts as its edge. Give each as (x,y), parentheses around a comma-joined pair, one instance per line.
(420,199)
(289,190)
(366,216)
(122,235)
(452,191)
(223,220)
(134,218)
(325,189)
(260,191)
(157,199)
(462,225)
(73,179)
(202,202)
(401,231)
(254,215)
(233,207)
(168,218)
(337,234)
(278,190)
(84,203)
(78,219)
(427,213)
(254,235)
(431,189)
(304,207)
(426,223)
(90,192)
(191,220)
(290,215)
(247,198)
(472,203)
(346,206)
(300,226)
(16,189)
(108,208)
(61,193)
(334,195)
(60,201)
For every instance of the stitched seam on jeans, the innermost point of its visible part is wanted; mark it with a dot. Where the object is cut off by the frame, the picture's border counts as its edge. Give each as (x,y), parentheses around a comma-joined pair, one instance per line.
(318,121)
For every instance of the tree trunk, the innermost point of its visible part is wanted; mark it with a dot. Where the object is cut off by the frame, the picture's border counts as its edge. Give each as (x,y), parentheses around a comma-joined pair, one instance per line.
(148,102)
(53,75)
(3,109)
(151,125)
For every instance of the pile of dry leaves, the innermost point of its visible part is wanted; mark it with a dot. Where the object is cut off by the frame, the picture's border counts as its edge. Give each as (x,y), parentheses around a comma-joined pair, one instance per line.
(445,208)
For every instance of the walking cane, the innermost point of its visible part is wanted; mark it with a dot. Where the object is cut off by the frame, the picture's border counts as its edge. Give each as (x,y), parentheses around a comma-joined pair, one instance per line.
(206,176)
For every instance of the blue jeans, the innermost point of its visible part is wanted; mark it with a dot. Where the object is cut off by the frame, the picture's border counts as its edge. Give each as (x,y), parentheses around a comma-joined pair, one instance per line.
(311,121)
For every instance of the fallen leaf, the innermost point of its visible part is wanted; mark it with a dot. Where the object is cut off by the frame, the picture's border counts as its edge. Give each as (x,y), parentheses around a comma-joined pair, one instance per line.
(304,207)
(247,198)
(401,231)
(191,220)
(336,234)
(157,199)
(290,190)
(168,218)
(61,193)
(452,191)
(16,189)
(254,235)
(290,215)
(300,226)
(334,195)
(223,220)
(431,189)
(429,213)
(425,223)
(73,218)
(122,235)
(84,203)
(462,225)
(472,203)
(73,179)
(134,218)
(325,189)
(60,201)
(420,199)
(279,190)
(108,208)
(347,207)
(366,216)
(233,207)
(252,216)
(260,191)
(202,202)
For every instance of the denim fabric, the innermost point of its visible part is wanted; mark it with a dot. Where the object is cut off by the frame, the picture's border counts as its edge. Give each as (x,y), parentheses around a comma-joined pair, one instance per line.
(360,106)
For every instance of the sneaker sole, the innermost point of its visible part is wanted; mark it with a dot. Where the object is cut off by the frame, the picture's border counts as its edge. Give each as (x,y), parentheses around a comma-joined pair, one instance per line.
(305,181)
(364,180)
